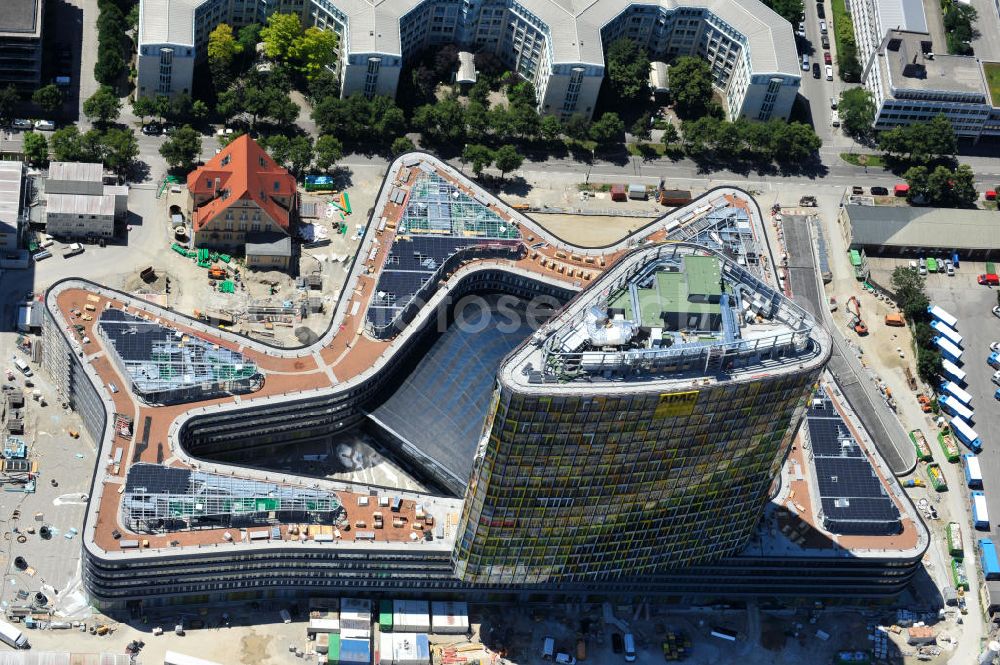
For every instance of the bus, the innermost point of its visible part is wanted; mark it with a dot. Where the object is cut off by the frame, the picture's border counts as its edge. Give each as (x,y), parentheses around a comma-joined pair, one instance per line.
(949,387)
(953,371)
(955,546)
(966,434)
(980,517)
(973,474)
(942,316)
(945,331)
(948,349)
(955,407)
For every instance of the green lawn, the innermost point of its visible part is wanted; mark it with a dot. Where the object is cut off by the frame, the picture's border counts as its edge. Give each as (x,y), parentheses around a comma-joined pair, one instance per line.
(992,71)
(869,160)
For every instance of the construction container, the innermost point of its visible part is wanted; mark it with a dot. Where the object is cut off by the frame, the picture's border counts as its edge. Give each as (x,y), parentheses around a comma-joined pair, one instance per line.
(385,615)
(618,193)
(675,197)
(411,616)
(449,618)
(895,320)
(355,652)
(637,192)
(404,649)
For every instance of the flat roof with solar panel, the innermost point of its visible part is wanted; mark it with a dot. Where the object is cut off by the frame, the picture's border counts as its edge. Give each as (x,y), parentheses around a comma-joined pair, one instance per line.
(166,365)
(853,499)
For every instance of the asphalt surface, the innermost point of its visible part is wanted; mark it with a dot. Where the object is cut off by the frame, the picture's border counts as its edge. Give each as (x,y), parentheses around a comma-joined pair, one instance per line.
(803,277)
(971,305)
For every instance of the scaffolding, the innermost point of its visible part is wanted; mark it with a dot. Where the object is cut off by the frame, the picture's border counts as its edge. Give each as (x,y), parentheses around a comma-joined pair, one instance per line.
(439,207)
(165,365)
(161,499)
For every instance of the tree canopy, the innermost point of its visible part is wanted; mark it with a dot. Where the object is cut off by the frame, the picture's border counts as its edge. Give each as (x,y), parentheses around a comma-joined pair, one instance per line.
(8,100)
(358,119)
(222,51)
(308,51)
(49,98)
(627,66)
(506,158)
(691,86)
(790,10)
(920,142)
(36,148)
(607,129)
(182,149)
(103,107)
(857,112)
(943,186)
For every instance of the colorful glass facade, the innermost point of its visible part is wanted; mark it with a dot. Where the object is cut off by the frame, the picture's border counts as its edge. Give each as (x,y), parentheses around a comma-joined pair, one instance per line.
(601,486)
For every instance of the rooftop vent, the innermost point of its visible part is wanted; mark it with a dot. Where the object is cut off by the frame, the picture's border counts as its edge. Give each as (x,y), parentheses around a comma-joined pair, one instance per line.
(894,44)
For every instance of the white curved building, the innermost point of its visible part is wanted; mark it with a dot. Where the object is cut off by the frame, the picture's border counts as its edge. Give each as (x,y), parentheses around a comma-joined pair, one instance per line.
(558,45)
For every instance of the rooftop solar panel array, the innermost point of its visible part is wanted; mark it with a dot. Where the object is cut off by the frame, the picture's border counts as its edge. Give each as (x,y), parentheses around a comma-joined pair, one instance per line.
(852,497)
(439,220)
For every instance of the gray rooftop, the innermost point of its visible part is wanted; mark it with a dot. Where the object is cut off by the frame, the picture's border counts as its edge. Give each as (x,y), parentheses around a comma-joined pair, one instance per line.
(910,68)
(11,174)
(78,171)
(575,26)
(269,244)
(80,204)
(21,18)
(167,21)
(897,226)
(902,15)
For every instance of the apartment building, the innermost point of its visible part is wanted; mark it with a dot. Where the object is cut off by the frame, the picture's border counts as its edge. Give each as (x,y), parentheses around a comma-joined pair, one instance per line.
(239,195)
(21,44)
(556,44)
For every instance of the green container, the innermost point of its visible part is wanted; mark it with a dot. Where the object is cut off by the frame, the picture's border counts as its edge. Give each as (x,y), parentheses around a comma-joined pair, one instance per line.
(225,258)
(385,615)
(333,652)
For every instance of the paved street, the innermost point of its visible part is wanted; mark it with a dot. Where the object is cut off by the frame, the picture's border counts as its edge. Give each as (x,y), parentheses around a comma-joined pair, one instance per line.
(882,425)
(987,44)
(88,55)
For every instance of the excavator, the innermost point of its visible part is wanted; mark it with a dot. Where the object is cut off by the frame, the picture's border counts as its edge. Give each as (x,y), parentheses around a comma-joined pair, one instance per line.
(854,309)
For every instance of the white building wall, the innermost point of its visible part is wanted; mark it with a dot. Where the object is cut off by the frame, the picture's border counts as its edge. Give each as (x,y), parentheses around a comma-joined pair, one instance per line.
(768,98)
(165,69)
(71,225)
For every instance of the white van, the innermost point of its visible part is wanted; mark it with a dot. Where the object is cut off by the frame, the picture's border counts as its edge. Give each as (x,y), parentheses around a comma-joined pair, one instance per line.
(23,366)
(548,648)
(629,648)
(11,636)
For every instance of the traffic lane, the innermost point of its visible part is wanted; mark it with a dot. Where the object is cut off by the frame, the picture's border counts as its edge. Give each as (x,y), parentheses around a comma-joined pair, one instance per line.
(882,426)
(971,305)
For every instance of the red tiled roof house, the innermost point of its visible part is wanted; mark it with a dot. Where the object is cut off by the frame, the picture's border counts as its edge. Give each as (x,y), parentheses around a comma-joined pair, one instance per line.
(238,194)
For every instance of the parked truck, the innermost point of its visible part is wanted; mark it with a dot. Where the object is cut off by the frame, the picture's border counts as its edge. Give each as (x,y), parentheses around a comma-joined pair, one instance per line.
(980,516)
(973,474)
(988,559)
(73,250)
(13,637)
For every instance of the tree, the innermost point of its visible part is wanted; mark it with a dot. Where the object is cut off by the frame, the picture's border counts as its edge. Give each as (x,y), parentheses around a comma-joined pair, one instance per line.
(120,149)
(443,122)
(943,186)
(278,146)
(36,148)
(524,120)
(109,66)
(222,51)
(102,107)
(929,365)
(794,142)
(401,146)
(329,150)
(377,120)
(670,135)
(908,287)
(691,86)
(9,98)
(66,144)
(577,127)
(642,127)
(323,85)
(249,36)
(142,107)
(627,67)
(182,148)
(479,156)
(857,112)
(300,154)
(161,106)
(608,129)
(700,135)
(477,119)
(280,34)
(314,50)
(790,10)
(550,127)
(49,98)
(937,138)
(921,142)
(507,159)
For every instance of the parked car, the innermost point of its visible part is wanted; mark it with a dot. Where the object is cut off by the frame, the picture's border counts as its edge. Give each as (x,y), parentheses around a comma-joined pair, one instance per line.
(42,255)
(22,123)
(949,268)
(996,311)
(805,63)
(995,346)
(152,129)
(820,10)
(989,279)
(808,202)
(833,103)
(835,119)
(922,265)
(996,377)
(880,191)
(825,40)
(827,58)
(941,266)
(822,27)
(45,125)
(565,659)
(802,29)
(829,73)
(816,73)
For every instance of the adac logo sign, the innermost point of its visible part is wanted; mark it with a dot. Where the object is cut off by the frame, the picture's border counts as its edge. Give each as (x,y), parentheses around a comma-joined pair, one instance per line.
(676,405)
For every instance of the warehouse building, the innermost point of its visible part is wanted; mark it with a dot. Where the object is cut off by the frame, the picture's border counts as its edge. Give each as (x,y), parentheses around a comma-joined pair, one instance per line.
(896,231)
(12,226)
(79,204)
